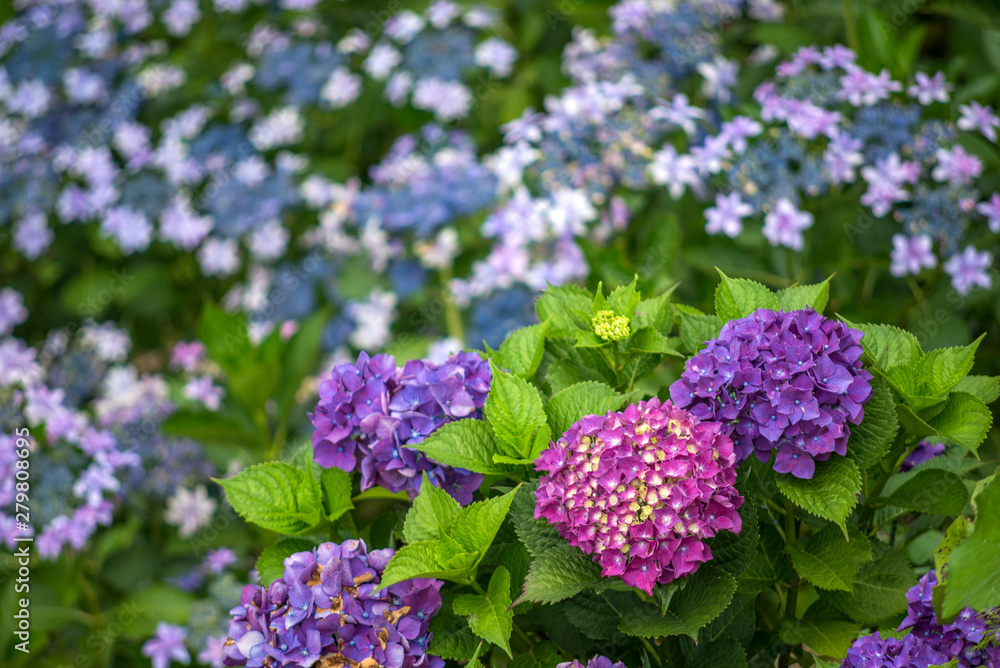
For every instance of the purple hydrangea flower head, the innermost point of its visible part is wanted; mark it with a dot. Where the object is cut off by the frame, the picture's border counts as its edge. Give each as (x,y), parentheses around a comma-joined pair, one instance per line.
(640,490)
(924,451)
(791,382)
(597,662)
(874,651)
(167,646)
(370,410)
(326,609)
(973,639)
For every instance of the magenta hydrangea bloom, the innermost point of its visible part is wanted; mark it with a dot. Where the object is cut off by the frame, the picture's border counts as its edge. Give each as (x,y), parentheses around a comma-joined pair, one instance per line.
(596,662)
(641,490)
(973,639)
(368,412)
(790,382)
(326,607)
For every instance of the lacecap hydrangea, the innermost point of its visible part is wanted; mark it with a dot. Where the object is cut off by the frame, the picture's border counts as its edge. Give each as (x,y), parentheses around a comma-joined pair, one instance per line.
(973,639)
(326,609)
(791,382)
(641,490)
(369,411)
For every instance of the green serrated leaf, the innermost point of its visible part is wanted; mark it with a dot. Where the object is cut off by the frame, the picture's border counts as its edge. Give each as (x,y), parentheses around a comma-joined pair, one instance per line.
(468,444)
(442,559)
(705,595)
(276,496)
(823,630)
(934,491)
(830,494)
(558,573)
(271,563)
(432,515)
(489,617)
(887,346)
(869,441)
(336,485)
(594,615)
(566,307)
(514,410)
(563,373)
(657,313)
(805,296)
(696,329)
(733,552)
(964,421)
(576,401)
(829,560)
(769,563)
(477,524)
(739,297)
(942,369)
(973,571)
(735,624)
(649,340)
(624,299)
(879,590)
(542,655)
(537,535)
(452,637)
(987,388)
(521,352)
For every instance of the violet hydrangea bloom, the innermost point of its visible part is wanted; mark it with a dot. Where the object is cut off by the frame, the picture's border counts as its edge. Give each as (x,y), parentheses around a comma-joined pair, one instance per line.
(640,490)
(924,451)
(971,640)
(597,662)
(370,410)
(790,382)
(326,607)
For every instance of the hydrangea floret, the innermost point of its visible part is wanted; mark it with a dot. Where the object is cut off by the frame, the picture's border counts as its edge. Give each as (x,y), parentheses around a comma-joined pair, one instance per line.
(973,639)
(369,411)
(611,327)
(597,662)
(325,609)
(641,490)
(792,382)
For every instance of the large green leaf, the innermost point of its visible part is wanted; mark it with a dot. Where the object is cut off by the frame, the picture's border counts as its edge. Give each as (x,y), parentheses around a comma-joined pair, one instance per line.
(934,491)
(559,572)
(739,297)
(537,535)
(476,525)
(888,346)
(805,296)
(831,493)
(453,639)
(705,595)
(829,560)
(432,515)
(942,369)
(521,352)
(468,444)
(576,401)
(271,563)
(276,496)
(823,629)
(879,590)
(514,410)
(489,616)
(336,484)
(697,328)
(973,567)
(986,388)
(769,563)
(870,440)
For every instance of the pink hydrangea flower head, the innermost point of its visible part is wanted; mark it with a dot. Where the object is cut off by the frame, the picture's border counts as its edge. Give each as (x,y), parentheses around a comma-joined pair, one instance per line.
(640,490)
